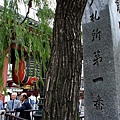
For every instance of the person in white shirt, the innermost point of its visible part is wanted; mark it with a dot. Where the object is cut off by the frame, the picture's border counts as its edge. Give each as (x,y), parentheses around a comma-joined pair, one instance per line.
(33,98)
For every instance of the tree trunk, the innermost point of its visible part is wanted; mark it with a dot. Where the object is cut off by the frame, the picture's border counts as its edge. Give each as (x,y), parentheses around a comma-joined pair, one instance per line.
(64,68)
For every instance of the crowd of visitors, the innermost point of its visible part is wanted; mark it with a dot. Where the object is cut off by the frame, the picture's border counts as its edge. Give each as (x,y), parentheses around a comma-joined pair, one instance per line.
(16,103)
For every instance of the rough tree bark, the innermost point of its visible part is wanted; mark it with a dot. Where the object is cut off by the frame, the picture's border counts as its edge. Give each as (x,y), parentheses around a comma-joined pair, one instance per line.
(64,68)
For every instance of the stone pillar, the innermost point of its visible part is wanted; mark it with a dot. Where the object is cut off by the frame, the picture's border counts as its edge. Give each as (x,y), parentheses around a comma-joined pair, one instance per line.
(101,55)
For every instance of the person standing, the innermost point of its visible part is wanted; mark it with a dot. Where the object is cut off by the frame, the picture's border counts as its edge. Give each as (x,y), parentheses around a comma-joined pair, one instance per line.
(1,105)
(13,103)
(2,111)
(33,98)
(25,106)
(31,102)
(38,102)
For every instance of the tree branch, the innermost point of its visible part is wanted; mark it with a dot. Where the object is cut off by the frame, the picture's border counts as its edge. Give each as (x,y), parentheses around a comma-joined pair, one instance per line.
(29,6)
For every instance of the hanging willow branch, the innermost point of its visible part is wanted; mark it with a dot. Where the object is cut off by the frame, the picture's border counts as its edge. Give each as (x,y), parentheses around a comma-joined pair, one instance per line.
(33,38)
(29,6)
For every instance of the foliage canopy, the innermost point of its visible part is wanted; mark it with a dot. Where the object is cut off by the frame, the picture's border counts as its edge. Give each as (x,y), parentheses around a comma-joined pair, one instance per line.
(33,36)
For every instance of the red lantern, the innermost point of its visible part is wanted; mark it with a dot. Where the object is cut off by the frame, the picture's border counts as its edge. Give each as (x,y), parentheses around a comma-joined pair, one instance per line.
(20,76)
(25,73)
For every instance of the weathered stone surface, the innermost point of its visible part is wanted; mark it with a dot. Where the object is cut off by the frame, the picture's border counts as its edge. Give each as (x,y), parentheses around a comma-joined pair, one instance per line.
(101,53)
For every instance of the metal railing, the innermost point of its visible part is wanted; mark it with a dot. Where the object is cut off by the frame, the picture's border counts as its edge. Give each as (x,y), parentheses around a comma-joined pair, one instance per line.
(9,116)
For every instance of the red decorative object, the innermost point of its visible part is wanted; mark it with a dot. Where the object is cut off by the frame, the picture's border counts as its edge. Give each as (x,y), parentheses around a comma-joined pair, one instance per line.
(20,76)
(25,73)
